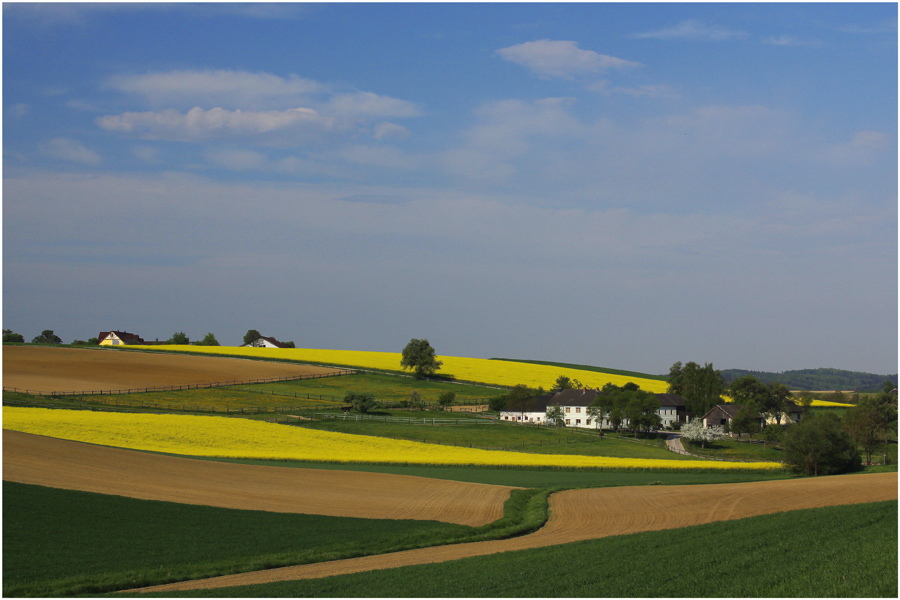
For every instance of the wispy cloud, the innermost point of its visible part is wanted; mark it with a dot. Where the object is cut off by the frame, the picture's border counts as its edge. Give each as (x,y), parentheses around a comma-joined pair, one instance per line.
(70,150)
(692,29)
(564,59)
(788,40)
(293,126)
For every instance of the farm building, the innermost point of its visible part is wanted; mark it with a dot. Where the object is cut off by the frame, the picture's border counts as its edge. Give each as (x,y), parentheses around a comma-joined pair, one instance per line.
(265,342)
(119,338)
(575,405)
(529,410)
(724,414)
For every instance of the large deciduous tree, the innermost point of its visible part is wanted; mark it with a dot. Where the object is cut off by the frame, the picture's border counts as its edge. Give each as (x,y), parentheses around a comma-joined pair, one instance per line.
(701,387)
(419,356)
(10,336)
(47,337)
(817,445)
(251,336)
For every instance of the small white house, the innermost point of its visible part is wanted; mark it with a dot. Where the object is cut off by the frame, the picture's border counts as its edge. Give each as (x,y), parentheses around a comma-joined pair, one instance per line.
(264,342)
(118,338)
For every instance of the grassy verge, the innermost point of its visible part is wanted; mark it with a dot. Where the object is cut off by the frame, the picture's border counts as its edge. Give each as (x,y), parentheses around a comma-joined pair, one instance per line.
(68,542)
(734,450)
(806,553)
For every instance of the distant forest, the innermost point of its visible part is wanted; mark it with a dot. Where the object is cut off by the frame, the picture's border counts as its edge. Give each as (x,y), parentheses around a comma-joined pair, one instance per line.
(818,379)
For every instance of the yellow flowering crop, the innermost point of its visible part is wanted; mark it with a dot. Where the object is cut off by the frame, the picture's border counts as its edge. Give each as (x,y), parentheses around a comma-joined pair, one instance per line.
(241,438)
(482,370)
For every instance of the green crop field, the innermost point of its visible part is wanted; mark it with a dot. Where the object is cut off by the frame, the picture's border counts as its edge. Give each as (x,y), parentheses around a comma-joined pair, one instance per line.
(804,553)
(68,542)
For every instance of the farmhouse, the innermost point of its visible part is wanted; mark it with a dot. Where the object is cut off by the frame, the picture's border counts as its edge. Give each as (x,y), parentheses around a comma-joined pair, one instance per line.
(575,405)
(265,342)
(529,410)
(119,338)
(724,414)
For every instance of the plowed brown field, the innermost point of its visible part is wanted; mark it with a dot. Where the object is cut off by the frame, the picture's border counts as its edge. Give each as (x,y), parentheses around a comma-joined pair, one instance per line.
(596,513)
(70,465)
(575,514)
(44,369)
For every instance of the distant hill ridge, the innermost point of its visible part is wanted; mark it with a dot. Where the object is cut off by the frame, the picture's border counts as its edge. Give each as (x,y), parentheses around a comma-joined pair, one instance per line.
(800,379)
(818,379)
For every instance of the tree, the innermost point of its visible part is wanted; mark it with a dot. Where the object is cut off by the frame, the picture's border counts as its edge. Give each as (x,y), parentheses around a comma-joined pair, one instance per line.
(641,410)
(179,338)
(47,337)
(701,387)
(289,344)
(498,403)
(864,424)
(746,420)
(555,415)
(772,434)
(209,340)
(251,336)
(362,402)
(93,341)
(416,401)
(446,399)
(817,445)
(696,432)
(419,356)
(10,337)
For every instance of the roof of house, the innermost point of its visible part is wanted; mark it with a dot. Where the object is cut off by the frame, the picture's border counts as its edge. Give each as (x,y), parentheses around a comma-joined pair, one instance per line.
(533,404)
(730,410)
(577,397)
(670,400)
(271,340)
(122,335)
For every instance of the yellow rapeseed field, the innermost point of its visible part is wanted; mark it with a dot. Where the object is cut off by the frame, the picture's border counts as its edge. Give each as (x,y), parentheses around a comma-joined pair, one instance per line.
(241,438)
(482,370)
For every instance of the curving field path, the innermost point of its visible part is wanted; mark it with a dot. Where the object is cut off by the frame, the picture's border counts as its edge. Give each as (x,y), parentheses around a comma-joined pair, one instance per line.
(43,369)
(595,513)
(575,514)
(71,465)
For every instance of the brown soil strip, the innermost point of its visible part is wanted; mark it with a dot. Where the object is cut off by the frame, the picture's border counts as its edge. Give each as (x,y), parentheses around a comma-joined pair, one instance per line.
(70,465)
(44,369)
(595,513)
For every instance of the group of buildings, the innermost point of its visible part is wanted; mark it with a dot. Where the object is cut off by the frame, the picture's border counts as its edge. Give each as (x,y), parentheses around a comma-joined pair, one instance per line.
(123,338)
(672,409)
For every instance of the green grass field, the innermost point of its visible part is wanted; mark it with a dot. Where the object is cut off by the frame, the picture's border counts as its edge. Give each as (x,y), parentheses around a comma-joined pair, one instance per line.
(588,368)
(806,553)
(68,542)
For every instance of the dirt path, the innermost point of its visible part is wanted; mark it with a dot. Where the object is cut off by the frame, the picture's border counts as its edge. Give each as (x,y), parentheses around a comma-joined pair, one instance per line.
(575,514)
(76,466)
(44,369)
(595,513)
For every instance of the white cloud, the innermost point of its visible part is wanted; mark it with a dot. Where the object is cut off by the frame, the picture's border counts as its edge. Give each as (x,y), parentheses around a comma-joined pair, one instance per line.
(367,104)
(692,29)
(292,126)
(787,40)
(71,151)
(18,110)
(218,87)
(565,59)
(146,153)
(237,160)
(390,131)
(653,91)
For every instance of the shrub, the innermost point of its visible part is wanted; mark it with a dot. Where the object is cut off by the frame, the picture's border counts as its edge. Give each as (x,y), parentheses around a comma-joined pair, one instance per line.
(817,445)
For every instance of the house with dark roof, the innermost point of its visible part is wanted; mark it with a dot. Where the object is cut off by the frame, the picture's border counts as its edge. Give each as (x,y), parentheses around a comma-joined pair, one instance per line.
(119,338)
(528,410)
(575,404)
(265,342)
(724,414)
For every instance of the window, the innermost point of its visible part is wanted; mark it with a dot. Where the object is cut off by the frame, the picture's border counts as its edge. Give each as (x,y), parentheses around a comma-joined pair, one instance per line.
(568,409)
(568,421)
(578,421)
(588,422)
(578,409)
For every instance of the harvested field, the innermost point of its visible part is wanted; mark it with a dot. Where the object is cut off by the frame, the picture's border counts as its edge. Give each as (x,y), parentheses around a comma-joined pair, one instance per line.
(596,513)
(43,369)
(70,465)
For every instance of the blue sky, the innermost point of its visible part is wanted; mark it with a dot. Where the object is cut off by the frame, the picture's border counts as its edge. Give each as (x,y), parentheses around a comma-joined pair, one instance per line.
(621,185)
